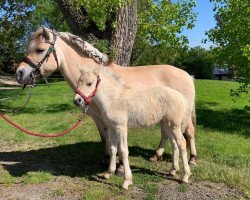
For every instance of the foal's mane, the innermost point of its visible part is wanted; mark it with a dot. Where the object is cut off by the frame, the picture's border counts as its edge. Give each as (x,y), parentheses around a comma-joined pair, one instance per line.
(76,41)
(108,73)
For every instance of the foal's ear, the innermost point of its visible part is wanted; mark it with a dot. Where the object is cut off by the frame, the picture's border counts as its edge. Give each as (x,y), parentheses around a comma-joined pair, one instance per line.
(81,68)
(97,70)
(45,33)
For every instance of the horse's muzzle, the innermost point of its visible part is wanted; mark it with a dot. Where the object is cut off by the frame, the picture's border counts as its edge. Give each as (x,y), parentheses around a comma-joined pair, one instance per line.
(23,76)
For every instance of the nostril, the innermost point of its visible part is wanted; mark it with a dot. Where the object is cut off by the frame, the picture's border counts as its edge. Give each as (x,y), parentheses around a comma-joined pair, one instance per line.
(79,101)
(19,74)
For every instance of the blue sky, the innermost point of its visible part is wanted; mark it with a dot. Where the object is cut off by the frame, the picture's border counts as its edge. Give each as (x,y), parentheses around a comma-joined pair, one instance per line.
(205,21)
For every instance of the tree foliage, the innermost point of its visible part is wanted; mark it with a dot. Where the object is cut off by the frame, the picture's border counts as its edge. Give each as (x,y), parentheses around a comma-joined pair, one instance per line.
(18,18)
(197,61)
(231,35)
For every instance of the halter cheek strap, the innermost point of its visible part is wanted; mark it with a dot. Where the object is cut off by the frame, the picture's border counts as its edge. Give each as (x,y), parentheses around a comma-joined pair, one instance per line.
(87,99)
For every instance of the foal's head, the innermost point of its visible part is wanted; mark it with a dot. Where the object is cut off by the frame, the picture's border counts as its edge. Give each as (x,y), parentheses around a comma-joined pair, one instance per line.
(87,87)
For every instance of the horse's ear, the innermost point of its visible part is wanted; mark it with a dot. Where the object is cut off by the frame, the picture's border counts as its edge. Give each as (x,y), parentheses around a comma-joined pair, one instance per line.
(46,33)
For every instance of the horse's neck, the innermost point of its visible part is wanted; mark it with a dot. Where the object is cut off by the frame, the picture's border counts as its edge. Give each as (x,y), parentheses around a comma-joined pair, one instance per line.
(69,69)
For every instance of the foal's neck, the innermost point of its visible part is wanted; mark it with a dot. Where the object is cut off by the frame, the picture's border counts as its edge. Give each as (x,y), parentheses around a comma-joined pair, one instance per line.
(108,91)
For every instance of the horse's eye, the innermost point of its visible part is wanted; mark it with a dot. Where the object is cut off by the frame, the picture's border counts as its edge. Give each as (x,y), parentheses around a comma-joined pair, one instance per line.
(89,84)
(39,51)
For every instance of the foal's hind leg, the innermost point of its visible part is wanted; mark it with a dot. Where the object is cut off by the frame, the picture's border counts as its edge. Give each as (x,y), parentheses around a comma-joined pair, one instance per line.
(160,150)
(190,131)
(181,142)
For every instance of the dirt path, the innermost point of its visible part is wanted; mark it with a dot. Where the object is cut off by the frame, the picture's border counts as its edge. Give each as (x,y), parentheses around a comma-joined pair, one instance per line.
(8,81)
(63,187)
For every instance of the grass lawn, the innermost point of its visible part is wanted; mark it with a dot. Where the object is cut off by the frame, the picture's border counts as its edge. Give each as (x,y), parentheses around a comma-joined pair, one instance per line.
(74,160)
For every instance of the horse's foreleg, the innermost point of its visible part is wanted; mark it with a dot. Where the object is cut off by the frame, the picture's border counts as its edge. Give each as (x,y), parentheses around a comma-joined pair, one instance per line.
(160,150)
(103,131)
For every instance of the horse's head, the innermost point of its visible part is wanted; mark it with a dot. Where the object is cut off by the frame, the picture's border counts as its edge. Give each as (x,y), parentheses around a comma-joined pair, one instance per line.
(41,58)
(87,87)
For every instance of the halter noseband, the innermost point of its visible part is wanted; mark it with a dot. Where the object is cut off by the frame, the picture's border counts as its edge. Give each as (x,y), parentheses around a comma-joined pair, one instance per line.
(39,64)
(87,99)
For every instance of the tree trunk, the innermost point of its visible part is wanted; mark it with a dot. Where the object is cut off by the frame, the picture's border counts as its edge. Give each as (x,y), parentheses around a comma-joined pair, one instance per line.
(123,36)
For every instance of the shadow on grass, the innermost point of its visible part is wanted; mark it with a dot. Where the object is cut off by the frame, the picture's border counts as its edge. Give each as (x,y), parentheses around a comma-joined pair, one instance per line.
(230,121)
(75,160)
(51,108)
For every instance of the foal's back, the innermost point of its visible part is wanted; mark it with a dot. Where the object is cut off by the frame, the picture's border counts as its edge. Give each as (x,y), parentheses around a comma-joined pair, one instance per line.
(146,108)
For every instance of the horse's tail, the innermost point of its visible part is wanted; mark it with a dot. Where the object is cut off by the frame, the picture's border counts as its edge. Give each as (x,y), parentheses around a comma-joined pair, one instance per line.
(193,113)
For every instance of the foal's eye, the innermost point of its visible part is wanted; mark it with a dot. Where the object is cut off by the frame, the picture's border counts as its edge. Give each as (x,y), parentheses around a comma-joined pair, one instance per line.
(39,51)
(89,84)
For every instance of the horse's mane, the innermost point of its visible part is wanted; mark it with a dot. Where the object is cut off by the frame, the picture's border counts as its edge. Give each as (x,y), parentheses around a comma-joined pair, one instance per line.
(76,41)
(86,47)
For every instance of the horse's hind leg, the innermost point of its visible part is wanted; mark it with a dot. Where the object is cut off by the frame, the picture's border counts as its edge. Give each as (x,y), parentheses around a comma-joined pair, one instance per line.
(160,150)
(190,131)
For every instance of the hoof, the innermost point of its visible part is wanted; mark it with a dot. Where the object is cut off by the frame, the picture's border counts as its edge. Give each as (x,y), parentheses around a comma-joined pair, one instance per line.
(185,178)
(192,160)
(172,173)
(107,175)
(155,158)
(126,184)
(120,170)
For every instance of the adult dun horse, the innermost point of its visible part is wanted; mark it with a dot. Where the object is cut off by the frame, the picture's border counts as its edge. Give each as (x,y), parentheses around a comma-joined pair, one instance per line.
(49,51)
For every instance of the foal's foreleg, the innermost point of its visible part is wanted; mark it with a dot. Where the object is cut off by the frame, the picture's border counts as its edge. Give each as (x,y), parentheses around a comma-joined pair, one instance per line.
(123,154)
(113,146)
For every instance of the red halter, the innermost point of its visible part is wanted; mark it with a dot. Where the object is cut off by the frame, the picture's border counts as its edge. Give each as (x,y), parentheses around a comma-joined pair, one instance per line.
(87,99)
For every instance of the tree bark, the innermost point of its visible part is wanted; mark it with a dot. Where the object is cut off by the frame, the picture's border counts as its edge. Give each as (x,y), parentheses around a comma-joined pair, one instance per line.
(123,36)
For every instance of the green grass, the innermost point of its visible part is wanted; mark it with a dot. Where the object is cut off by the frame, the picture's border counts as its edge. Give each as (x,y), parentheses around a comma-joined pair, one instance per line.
(222,141)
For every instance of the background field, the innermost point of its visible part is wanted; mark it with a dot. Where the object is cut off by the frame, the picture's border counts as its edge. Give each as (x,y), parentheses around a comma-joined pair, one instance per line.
(69,166)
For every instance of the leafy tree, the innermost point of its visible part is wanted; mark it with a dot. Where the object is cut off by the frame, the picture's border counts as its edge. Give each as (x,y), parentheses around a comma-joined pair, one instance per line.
(196,61)
(231,35)
(18,18)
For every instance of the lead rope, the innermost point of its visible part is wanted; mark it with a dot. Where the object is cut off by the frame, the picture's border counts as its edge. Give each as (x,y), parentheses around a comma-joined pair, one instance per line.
(50,135)
(27,100)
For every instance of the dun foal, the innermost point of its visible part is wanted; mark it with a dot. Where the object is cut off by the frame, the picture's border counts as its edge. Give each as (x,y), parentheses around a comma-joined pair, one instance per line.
(123,108)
